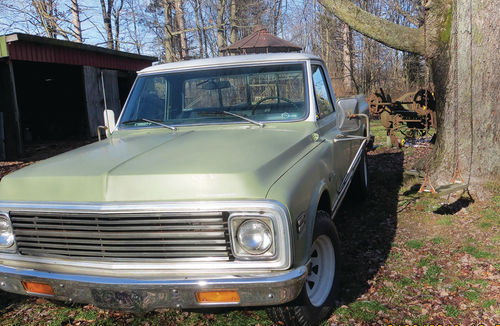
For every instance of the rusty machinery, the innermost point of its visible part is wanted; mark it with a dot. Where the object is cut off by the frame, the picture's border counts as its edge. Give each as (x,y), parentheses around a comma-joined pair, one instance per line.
(411,114)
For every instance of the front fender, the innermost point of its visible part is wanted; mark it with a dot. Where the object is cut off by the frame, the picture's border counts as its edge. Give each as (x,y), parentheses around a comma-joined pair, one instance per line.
(300,190)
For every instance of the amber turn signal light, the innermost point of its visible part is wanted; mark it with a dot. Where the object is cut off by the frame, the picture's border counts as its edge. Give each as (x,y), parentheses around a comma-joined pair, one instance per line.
(218,296)
(39,288)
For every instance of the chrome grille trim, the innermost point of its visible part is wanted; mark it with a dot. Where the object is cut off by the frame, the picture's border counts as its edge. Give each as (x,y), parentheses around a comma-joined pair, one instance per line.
(123,237)
(158,267)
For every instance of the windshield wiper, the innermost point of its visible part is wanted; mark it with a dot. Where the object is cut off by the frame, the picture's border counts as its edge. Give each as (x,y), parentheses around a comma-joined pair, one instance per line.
(260,124)
(159,124)
(150,121)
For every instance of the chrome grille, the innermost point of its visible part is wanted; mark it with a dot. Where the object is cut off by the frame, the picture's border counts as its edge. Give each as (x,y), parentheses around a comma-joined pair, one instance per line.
(123,237)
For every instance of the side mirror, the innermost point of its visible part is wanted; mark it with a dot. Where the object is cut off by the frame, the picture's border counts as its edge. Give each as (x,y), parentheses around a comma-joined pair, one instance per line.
(346,107)
(109,124)
(109,121)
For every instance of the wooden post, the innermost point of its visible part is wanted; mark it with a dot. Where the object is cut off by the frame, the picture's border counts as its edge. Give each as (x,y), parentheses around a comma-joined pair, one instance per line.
(9,107)
(95,98)
(2,139)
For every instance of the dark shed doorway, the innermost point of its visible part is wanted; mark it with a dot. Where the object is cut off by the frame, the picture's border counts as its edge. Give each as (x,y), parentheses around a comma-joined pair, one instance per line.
(51,101)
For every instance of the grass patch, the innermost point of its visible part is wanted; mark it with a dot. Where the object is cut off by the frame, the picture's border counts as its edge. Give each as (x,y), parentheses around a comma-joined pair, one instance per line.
(452,311)
(483,283)
(395,256)
(473,295)
(426,261)
(477,253)
(431,276)
(60,318)
(419,320)
(490,214)
(387,292)
(362,310)
(488,303)
(446,221)
(379,131)
(87,315)
(459,284)
(414,244)
(485,225)
(437,240)
(405,282)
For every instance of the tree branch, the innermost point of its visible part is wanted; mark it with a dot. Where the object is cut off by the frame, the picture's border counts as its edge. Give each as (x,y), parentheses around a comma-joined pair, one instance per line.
(411,19)
(388,33)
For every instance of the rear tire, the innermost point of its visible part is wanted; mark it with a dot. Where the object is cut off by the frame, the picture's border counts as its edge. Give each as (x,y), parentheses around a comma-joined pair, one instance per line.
(320,292)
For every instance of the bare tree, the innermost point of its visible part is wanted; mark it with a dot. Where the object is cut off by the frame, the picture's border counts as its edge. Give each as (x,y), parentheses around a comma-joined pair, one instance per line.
(181,27)
(116,17)
(221,39)
(132,28)
(107,8)
(77,28)
(233,21)
(347,58)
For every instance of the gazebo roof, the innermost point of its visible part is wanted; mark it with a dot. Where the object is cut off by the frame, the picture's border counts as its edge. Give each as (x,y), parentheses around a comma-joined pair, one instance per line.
(261,41)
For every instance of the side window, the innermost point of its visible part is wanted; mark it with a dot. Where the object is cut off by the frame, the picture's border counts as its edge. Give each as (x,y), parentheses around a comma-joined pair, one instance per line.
(321,91)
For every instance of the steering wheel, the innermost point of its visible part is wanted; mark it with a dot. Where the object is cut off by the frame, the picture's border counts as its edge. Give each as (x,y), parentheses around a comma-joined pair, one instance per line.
(256,105)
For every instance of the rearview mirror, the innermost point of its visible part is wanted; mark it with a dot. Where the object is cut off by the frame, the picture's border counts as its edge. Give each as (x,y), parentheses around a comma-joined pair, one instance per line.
(211,84)
(346,107)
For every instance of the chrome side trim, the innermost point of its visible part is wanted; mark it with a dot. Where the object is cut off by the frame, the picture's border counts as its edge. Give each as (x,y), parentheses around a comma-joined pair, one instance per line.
(148,294)
(346,182)
(267,207)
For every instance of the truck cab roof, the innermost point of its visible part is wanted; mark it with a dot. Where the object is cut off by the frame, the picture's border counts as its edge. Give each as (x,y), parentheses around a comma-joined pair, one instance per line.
(229,61)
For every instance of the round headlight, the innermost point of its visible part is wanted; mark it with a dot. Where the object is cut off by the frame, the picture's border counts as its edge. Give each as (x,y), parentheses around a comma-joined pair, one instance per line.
(254,237)
(6,236)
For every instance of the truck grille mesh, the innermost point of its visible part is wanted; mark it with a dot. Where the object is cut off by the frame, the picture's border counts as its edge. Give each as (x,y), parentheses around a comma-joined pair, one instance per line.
(123,237)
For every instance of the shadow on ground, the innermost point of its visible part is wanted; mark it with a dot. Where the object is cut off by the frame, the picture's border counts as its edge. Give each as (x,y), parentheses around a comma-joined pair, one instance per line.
(367,229)
(455,207)
(7,299)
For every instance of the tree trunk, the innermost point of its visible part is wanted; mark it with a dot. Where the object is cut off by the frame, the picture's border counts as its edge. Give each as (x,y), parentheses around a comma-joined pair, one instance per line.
(347,59)
(468,97)
(197,12)
(167,31)
(461,50)
(106,16)
(77,28)
(276,15)
(116,15)
(221,40)
(233,22)
(134,32)
(181,24)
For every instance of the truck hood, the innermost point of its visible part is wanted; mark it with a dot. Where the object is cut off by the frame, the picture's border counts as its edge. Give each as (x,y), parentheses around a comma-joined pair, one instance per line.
(161,165)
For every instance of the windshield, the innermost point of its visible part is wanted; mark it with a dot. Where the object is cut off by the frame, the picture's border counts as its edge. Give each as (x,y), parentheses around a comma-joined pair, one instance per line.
(264,93)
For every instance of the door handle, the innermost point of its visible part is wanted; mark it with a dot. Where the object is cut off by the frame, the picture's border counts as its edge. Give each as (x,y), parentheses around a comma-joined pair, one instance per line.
(340,137)
(343,137)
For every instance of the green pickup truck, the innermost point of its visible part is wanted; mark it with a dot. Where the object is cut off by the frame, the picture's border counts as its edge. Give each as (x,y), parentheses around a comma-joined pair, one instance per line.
(216,187)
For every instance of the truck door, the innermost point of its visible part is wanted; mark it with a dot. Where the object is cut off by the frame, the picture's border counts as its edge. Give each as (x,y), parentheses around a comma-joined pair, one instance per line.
(327,129)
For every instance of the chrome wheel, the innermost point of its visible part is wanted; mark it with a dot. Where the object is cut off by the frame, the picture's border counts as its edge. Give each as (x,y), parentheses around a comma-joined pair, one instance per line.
(321,270)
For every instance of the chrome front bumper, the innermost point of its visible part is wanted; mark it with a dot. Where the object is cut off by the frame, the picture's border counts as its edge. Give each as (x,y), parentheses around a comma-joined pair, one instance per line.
(144,295)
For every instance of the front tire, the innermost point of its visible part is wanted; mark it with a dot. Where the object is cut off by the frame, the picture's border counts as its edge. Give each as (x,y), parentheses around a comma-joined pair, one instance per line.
(320,292)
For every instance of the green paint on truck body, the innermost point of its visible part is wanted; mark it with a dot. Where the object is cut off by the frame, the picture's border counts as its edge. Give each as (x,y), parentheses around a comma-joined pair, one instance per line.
(204,163)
